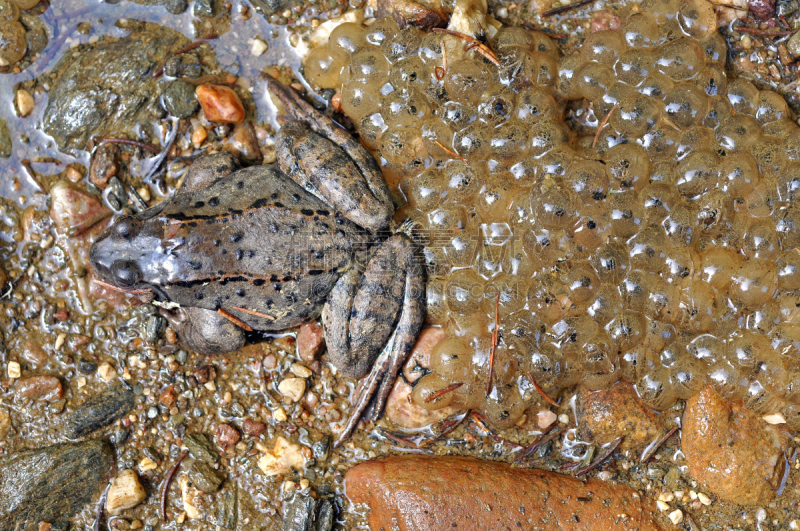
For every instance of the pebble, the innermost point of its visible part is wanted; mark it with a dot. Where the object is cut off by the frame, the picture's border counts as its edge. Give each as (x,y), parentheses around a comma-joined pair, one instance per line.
(203,477)
(191,497)
(284,457)
(14,369)
(252,427)
(147,464)
(53,483)
(676,516)
(292,388)
(25,103)
(299,370)
(199,135)
(310,341)
(421,492)
(226,435)
(738,470)
(258,47)
(545,418)
(106,372)
(220,103)
(47,388)
(179,99)
(280,415)
(100,411)
(5,424)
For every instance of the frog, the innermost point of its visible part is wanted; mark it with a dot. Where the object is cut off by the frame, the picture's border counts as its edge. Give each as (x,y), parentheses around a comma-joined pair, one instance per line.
(267,248)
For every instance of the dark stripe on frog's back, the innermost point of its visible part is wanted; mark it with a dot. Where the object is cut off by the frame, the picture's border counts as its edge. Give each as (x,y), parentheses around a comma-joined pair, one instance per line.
(259,241)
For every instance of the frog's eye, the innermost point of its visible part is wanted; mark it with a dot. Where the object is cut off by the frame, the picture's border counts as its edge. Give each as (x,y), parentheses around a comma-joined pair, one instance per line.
(127,227)
(126,273)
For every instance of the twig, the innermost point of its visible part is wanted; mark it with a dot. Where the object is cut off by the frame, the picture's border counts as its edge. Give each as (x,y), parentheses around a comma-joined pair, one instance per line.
(544,438)
(602,125)
(783,21)
(602,458)
(495,338)
(253,312)
(478,45)
(651,450)
(117,288)
(397,439)
(167,481)
(530,27)
(762,33)
(566,8)
(442,392)
(541,391)
(185,49)
(125,141)
(101,505)
(449,152)
(235,320)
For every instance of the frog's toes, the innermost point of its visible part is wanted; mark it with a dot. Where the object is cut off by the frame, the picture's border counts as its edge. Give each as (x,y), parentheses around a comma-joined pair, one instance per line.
(208,332)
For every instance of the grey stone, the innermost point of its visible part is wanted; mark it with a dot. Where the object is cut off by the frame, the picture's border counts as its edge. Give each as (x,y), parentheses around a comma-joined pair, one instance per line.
(270,7)
(201,448)
(100,411)
(228,513)
(51,484)
(309,514)
(793,45)
(203,477)
(179,99)
(5,140)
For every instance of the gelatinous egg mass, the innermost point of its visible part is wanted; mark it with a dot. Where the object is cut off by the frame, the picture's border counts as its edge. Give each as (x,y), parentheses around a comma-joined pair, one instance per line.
(661,248)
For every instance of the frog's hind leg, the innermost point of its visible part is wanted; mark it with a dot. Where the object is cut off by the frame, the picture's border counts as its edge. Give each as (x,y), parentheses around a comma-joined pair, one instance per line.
(372,322)
(207,170)
(331,164)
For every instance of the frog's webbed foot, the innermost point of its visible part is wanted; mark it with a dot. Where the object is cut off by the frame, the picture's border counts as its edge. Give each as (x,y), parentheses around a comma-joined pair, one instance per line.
(331,164)
(373,321)
(207,170)
(206,331)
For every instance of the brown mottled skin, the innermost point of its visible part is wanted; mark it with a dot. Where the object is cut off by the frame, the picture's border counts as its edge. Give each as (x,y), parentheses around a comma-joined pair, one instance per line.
(422,493)
(268,247)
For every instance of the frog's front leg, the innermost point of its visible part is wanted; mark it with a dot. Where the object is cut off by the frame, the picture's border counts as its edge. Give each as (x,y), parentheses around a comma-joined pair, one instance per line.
(328,162)
(207,331)
(373,320)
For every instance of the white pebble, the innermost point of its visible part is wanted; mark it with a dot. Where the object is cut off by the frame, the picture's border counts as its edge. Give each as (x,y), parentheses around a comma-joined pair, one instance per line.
(258,47)
(704,499)
(293,388)
(775,418)
(59,341)
(106,372)
(125,492)
(794,525)
(14,369)
(545,418)
(761,515)
(666,497)
(280,415)
(300,370)
(676,516)
(24,103)
(662,506)
(563,418)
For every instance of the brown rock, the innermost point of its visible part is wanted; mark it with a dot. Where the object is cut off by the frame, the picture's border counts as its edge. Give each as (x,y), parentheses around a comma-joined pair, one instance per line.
(244,144)
(763,9)
(252,427)
(47,388)
(5,424)
(225,435)
(310,341)
(220,103)
(423,493)
(400,408)
(728,448)
(104,165)
(604,20)
(205,374)
(409,12)
(33,353)
(168,397)
(603,416)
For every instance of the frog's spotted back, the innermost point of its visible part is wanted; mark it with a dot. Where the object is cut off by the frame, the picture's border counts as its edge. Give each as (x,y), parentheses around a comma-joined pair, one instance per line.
(661,247)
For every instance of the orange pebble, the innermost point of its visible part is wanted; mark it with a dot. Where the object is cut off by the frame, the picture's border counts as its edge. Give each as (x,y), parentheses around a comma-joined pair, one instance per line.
(220,103)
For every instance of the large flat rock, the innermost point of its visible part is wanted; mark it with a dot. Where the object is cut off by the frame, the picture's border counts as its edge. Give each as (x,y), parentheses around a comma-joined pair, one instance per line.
(422,493)
(51,484)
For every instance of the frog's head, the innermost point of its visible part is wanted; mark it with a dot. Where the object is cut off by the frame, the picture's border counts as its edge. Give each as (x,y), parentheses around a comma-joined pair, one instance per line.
(122,255)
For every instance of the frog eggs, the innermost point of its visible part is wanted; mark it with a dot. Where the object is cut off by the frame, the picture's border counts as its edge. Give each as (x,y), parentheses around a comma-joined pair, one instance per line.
(661,249)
